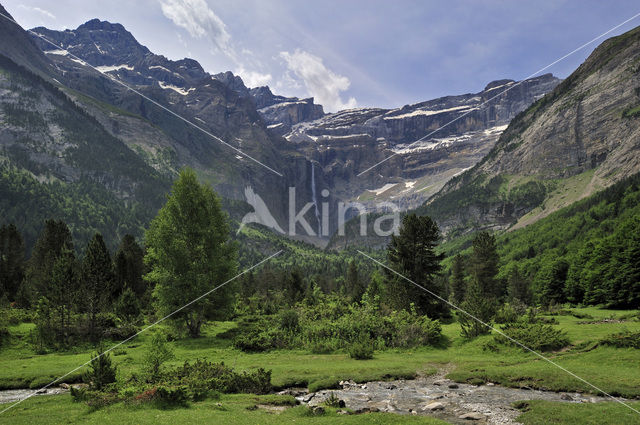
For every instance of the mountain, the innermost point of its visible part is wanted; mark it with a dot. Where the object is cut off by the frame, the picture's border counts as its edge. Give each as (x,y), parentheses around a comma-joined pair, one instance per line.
(578,139)
(58,161)
(312,151)
(218,104)
(346,143)
(318,151)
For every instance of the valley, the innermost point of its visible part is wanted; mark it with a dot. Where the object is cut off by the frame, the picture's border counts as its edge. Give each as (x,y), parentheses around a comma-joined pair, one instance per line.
(172,244)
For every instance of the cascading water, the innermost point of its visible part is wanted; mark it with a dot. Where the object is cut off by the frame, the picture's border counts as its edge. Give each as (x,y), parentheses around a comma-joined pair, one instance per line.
(315,198)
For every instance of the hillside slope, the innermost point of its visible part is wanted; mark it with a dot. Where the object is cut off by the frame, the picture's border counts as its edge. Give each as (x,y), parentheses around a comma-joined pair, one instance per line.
(581,137)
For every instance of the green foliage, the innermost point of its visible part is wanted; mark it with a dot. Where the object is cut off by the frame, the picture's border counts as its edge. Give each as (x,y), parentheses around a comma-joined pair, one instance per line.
(129,268)
(205,375)
(157,354)
(97,280)
(457,280)
(537,336)
(54,238)
(189,252)
(12,261)
(479,306)
(625,339)
(587,253)
(333,400)
(412,254)
(361,349)
(101,370)
(484,265)
(86,204)
(127,307)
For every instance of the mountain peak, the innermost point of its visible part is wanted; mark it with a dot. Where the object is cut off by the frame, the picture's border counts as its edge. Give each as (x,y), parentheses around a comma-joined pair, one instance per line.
(498,83)
(96,24)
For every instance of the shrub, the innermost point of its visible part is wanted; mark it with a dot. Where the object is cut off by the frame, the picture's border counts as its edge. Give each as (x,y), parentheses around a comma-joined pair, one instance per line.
(361,349)
(333,401)
(625,339)
(288,321)
(257,334)
(506,314)
(101,371)
(405,329)
(15,316)
(203,375)
(157,354)
(168,396)
(324,346)
(536,336)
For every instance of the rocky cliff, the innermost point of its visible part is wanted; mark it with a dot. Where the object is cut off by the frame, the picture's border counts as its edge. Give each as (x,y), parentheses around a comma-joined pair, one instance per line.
(581,137)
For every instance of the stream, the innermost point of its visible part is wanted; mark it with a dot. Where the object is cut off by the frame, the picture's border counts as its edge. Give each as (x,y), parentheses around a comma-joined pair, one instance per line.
(441,398)
(431,396)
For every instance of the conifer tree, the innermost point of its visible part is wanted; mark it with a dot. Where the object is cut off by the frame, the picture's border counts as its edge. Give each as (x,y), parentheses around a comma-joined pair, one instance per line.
(412,254)
(97,279)
(458,284)
(12,261)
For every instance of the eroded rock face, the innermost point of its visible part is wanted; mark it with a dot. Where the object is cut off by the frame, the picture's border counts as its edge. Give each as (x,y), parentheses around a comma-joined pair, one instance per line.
(588,124)
(348,142)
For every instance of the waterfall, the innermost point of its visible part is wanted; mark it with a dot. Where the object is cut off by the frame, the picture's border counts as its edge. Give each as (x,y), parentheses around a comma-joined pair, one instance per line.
(315,198)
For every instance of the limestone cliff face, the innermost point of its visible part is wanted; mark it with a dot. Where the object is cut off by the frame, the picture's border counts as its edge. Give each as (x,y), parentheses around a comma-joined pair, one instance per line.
(583,136)
(348,142)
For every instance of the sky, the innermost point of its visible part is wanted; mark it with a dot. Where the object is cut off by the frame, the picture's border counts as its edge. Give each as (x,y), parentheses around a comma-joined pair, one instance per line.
(356,53)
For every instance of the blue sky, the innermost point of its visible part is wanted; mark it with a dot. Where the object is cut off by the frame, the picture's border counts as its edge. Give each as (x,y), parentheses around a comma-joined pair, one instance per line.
(355,53)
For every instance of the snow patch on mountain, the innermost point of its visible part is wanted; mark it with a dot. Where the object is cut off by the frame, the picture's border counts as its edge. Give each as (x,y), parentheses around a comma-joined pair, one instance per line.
(179,90)
(114,68)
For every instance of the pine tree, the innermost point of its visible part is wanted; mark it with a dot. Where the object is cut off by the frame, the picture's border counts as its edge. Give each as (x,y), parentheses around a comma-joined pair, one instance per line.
(295,286)
(12,261)
(355,287)
(189,253)
(54,238)
(63,291)
(129,268)
(412,254)
(480,307)
(97,279)
(458,283)
(518,287)
(482,293)
(484,264)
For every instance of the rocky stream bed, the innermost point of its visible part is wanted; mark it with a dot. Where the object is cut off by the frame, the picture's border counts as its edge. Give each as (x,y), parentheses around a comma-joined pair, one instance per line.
(434,396)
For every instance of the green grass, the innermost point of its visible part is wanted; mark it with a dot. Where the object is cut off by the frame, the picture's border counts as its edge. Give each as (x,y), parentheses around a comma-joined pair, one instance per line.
(615,370)
(550,413)
(230,409)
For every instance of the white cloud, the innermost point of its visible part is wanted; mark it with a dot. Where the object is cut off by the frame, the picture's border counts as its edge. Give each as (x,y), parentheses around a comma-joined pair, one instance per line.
(39,10)
(321,83)
(199,20)
(253,78)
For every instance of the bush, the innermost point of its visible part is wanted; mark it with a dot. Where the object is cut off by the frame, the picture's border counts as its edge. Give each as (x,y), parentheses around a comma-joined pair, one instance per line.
(536,336)
(333,401)
(101,371)
(361,349)
(625,339)
(203,375)
(288,321)
(157,354)
(324,347)
(259,333)
(406,330)
(506,314)
(167,396)
(15,316)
